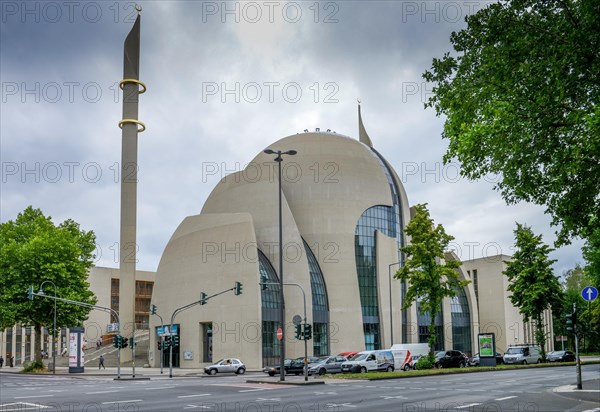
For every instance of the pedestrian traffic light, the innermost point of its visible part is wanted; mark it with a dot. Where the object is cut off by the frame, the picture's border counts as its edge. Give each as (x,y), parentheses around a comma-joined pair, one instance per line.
(571,321)
(202,298)
(238,288)
(307,331)
(299,331)
(175,341)
(167,341)
(263,281)
(116,341)
(30,293)
(159,344)
(124,343)
(153,309)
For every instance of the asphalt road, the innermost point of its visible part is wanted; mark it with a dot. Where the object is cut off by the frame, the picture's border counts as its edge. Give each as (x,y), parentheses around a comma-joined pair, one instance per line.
(513,390)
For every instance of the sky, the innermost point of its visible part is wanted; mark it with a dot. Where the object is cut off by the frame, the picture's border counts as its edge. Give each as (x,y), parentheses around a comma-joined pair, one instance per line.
(225,80)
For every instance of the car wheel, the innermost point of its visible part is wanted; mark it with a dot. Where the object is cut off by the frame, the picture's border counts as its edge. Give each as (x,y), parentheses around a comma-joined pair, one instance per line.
(439,365)
(240,371)
(363,369)
(271,373)
(524,362)
(322,371)
(296,373)
(406,368)
(461,365)
(212,371)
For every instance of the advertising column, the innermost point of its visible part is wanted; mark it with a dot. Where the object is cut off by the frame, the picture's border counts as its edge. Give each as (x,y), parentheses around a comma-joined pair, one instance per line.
(76,350)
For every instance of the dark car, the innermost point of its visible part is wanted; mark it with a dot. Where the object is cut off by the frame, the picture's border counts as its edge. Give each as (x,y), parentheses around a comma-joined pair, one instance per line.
(295,366)
(274,369)
(561,356)
(474,361)
(451,359)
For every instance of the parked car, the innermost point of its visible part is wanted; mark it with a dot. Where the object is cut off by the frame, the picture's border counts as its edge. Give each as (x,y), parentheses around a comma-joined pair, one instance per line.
(347,355)
(413,363)
(371,360)
(523,354)
(274,369)
(474,360)
(327,364)
(561,356)
(451,359)
(227,365)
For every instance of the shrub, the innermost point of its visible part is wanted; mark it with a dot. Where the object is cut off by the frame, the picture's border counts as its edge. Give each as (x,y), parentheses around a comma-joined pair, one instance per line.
(36,366)
(426,362)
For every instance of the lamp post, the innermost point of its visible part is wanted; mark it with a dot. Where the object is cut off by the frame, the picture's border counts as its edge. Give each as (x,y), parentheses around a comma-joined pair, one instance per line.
(391,313)
(279,159)
(41,291)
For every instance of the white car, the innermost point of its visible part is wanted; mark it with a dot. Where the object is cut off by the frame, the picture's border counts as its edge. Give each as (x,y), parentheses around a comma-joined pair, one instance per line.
(227,365)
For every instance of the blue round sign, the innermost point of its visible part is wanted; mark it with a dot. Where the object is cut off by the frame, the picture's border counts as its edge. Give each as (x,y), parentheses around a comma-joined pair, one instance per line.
(589,293)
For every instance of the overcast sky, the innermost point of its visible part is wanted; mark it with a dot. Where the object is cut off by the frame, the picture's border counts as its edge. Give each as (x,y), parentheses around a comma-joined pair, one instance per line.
(225,80)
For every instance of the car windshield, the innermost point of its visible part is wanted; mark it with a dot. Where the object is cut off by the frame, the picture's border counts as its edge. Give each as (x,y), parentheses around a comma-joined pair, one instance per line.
(514,351)
(359,357)
(558,353)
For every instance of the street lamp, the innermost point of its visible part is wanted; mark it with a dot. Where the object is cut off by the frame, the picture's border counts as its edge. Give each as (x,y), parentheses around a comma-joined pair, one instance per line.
(41,291)
(391,313)
(279,159)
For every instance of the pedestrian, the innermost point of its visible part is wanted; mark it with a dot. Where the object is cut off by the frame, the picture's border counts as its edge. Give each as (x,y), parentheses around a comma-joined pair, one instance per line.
(64,352)
(101,362)
(11,361)
(1,361)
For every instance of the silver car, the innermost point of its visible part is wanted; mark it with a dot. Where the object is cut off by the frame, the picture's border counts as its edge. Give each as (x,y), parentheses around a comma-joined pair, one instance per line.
(329,364)
(227,365)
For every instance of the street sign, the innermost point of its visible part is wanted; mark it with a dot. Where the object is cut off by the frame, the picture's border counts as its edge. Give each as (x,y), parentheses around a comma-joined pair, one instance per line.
(560,338)
(589,293)
(297,319)
(279,333)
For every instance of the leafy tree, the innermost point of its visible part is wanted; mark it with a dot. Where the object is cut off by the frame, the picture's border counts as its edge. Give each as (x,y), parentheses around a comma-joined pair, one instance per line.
(520,94)
(34,250)
(591,254)
(430,276)
(533,285)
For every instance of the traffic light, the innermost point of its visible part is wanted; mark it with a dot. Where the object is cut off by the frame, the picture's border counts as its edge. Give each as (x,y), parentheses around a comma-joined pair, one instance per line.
(153,309)
(30,293)
(571,321)
(159,344)
(175,341)
(167,341)
(238,288)
(263,281)
(124,343)
(299,331)
(307,331)
(116,341)
(202,298)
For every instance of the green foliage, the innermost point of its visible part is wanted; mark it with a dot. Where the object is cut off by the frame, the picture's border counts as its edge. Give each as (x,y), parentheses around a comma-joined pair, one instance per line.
(429,279)
(34,250)
(35,366)
(533,286)
(520,96)
(591,254)
(426,362)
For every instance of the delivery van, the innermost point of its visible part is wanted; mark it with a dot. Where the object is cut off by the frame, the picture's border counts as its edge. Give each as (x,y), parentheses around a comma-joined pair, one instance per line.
(370,360)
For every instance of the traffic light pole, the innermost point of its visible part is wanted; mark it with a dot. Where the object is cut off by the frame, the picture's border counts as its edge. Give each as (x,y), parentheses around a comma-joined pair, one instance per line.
(87,305)
(237,288)
(305,343)
(577,360)
(162,327)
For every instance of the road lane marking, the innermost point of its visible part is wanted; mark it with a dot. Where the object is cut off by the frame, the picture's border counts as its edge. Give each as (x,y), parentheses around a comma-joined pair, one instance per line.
(505,398)
(32,396)
(132,400)
(253,390)
(467,406)
(22,406)
(160,387)
(193,396)
(98,392)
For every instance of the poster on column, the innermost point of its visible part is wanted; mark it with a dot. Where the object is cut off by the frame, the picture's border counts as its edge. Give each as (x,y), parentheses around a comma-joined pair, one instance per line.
(76,350)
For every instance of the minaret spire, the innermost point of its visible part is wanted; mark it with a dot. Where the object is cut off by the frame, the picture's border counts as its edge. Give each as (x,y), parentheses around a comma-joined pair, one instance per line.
(363,136)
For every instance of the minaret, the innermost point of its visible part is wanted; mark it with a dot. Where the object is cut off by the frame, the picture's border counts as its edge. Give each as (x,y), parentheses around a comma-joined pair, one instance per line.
(362,132)
(130,126)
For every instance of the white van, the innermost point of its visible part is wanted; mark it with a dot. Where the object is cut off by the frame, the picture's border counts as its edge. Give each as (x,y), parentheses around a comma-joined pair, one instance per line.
(522,354)
(402,359)
(370,360)
(416,349)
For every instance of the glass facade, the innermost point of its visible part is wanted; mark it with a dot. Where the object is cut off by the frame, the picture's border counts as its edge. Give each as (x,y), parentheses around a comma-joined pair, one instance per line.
(375,218)
(320,305)
(461,322)
(271,319)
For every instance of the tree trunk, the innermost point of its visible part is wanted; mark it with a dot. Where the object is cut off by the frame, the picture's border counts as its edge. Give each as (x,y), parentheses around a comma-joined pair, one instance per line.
(540,336)
(37,342)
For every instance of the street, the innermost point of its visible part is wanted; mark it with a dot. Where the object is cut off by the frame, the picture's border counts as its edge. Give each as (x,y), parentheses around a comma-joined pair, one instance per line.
(511,390)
